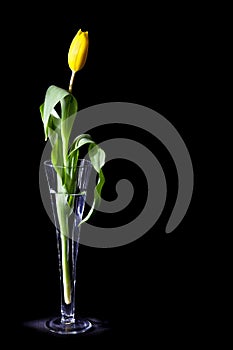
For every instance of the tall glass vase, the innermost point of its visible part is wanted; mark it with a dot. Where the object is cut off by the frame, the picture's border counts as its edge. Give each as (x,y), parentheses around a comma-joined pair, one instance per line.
(68,211)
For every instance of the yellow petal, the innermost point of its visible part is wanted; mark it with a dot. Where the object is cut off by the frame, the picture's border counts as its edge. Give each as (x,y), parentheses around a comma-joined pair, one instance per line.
(78,50)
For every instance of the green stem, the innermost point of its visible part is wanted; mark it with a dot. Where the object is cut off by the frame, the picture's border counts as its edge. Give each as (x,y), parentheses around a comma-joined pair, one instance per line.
(65,270)
(71,81)
(64,233)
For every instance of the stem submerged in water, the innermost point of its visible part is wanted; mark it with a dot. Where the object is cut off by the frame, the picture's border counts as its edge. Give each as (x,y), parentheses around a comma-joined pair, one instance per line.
(64,232)
(65,269)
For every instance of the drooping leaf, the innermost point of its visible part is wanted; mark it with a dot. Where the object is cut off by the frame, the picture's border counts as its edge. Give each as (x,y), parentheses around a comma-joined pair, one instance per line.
(53,95)
(78,142)
(97,156)
(97,196)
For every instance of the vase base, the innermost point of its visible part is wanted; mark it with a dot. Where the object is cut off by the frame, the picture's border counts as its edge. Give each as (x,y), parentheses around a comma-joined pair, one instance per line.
(79,326)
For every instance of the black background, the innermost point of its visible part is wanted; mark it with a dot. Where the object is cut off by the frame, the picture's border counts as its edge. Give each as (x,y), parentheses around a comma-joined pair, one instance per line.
(155,288)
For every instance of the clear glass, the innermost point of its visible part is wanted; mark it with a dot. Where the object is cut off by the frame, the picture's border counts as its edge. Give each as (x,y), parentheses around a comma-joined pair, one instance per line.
(68,211)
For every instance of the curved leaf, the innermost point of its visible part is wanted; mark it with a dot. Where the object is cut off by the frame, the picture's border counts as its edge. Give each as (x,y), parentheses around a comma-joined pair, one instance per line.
(78,142)
(53,95)
(97,158)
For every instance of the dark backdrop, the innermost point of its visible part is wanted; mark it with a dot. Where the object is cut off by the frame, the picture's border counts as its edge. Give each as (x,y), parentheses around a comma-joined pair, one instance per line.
(154,287)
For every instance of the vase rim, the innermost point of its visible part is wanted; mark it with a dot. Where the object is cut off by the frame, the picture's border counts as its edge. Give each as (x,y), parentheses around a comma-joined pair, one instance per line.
(83,161)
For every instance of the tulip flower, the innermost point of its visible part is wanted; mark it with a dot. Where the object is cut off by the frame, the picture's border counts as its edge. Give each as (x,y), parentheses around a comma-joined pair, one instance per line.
(58,127)
(77,54)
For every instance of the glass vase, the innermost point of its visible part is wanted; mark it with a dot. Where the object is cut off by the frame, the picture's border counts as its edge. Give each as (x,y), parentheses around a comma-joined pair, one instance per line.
(68,211)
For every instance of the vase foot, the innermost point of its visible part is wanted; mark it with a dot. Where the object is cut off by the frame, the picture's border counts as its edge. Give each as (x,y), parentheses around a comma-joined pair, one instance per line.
(79,326)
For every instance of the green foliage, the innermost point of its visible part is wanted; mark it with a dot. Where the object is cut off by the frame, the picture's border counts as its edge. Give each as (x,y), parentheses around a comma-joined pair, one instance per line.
(58,113)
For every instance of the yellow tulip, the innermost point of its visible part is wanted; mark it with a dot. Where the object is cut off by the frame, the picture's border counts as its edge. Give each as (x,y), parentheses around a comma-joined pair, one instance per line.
(77,54)
(78,51)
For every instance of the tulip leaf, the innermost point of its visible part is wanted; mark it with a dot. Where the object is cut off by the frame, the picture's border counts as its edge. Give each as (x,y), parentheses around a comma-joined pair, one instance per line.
(78,142)
(53,95)
(69,108)
(97,196)
(97,156)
